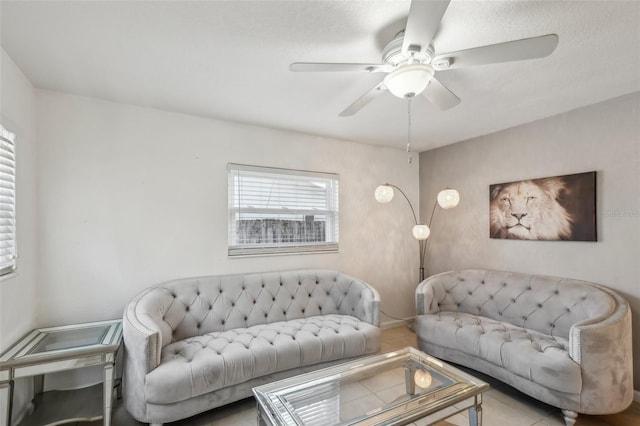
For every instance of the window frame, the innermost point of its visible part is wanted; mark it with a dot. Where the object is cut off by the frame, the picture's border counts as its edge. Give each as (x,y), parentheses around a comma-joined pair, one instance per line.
(8,168)
(331,213)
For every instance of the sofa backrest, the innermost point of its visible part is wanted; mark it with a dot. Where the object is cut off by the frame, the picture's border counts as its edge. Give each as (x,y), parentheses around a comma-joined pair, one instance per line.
(193,306)
(547,304)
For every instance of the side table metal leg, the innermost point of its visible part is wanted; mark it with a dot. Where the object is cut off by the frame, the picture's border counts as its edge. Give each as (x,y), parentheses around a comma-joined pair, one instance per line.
(38,388)
(118,383)
(475,415)
(109,372)
(38,384)
(6,399)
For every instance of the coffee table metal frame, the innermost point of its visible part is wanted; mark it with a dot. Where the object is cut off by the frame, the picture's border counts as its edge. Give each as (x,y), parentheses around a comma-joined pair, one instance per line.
(47,350)
(463,390)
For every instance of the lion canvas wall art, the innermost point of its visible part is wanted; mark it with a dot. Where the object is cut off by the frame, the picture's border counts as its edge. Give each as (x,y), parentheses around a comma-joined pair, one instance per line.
(553,208)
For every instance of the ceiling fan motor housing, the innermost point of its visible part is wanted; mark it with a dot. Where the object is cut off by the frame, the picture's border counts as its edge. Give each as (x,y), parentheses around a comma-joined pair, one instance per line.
(392,53)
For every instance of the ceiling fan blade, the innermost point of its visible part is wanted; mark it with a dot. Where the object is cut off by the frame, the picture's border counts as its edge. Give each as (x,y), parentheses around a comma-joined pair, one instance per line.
(422,24)
(364,100)
(337,67)
(440,96)
(517,50)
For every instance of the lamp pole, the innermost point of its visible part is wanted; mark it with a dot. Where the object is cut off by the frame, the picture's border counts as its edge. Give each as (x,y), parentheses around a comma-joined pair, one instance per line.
(447,199)
(421,242)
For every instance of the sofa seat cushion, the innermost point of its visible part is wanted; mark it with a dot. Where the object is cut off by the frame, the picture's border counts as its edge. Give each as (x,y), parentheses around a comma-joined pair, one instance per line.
(539,357)
(201,364)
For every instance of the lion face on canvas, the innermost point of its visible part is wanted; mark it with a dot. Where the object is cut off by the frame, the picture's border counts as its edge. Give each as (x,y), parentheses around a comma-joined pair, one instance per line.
(529,210)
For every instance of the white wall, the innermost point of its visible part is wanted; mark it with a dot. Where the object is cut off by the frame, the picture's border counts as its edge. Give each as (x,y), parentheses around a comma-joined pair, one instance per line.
(17,114)
(131,196)
(603,137)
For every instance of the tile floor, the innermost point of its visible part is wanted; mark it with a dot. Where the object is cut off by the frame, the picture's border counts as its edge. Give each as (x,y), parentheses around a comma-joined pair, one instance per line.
(502,405)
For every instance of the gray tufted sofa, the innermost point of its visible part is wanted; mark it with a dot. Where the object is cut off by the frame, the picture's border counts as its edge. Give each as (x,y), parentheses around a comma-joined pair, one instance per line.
(563,341)
(198,343)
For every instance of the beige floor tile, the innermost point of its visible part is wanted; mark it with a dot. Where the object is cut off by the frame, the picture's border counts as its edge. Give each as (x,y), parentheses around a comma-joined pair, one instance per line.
(629,417)
(382,381)
(360,406)
(395,393)
(626,418)
(516,400)
(352,391)
(459,419)
(496,412)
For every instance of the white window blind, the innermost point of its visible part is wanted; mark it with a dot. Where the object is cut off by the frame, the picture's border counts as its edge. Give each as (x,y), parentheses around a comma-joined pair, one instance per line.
(281,211)
(7,202)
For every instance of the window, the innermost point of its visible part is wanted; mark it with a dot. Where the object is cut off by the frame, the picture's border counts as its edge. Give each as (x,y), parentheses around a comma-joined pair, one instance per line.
(7,202)
(281,211)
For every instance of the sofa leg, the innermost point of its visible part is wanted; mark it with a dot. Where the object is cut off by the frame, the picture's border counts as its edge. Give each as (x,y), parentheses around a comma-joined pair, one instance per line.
(569,417)
(155,424)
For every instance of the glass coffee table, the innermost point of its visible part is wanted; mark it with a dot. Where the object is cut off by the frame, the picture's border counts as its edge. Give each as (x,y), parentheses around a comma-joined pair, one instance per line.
(52,349)
(394,388)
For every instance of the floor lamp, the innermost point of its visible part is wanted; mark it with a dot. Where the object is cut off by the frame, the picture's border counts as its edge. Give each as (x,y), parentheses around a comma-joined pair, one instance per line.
(447,199)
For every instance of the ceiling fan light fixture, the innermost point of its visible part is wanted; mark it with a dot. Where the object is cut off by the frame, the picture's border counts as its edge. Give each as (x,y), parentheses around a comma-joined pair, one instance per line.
(409,80)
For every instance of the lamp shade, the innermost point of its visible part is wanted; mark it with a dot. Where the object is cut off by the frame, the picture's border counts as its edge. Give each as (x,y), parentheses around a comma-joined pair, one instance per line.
(409,80)
(448,198)
(384,194)
(421,232)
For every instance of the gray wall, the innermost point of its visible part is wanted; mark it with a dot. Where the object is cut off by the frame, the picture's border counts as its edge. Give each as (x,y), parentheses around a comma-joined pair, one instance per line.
(17,311)
(604,137)
(145,200)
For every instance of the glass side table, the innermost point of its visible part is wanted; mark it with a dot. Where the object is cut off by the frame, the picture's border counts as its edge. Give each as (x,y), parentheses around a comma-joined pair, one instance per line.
(47,350)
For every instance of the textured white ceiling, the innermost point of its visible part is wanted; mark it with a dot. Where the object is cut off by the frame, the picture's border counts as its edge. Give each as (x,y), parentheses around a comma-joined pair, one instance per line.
(229,60)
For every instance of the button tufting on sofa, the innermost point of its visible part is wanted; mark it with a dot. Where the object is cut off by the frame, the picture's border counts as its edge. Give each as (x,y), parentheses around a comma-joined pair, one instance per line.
(572,349)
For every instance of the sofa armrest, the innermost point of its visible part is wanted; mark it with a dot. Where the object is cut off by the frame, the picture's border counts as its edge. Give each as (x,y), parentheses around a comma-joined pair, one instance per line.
(142,339)
(603,348)
(143,346)
(358,299)
(427,298)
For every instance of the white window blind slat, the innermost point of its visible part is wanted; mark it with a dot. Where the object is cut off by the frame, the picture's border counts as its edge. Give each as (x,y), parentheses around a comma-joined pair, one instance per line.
(7,202)
(275,211)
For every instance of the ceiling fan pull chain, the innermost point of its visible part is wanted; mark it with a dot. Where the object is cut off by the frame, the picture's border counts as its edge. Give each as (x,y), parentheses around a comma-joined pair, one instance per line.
(409,159)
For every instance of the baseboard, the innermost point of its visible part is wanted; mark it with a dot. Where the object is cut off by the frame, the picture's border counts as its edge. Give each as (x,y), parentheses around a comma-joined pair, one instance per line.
(395,324)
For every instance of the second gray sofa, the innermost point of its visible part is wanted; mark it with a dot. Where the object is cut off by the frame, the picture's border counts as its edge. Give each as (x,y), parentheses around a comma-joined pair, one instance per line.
(198,343)
(565,342)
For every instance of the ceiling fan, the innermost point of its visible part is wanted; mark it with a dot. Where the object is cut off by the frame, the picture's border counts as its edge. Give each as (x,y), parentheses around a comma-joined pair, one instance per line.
(411,63)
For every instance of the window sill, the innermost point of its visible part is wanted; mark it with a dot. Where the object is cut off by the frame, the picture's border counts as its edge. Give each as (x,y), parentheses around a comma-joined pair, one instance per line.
(261,252)
(9,276)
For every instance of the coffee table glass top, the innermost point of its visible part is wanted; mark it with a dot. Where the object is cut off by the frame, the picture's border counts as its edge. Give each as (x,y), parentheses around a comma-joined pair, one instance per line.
(405,384)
